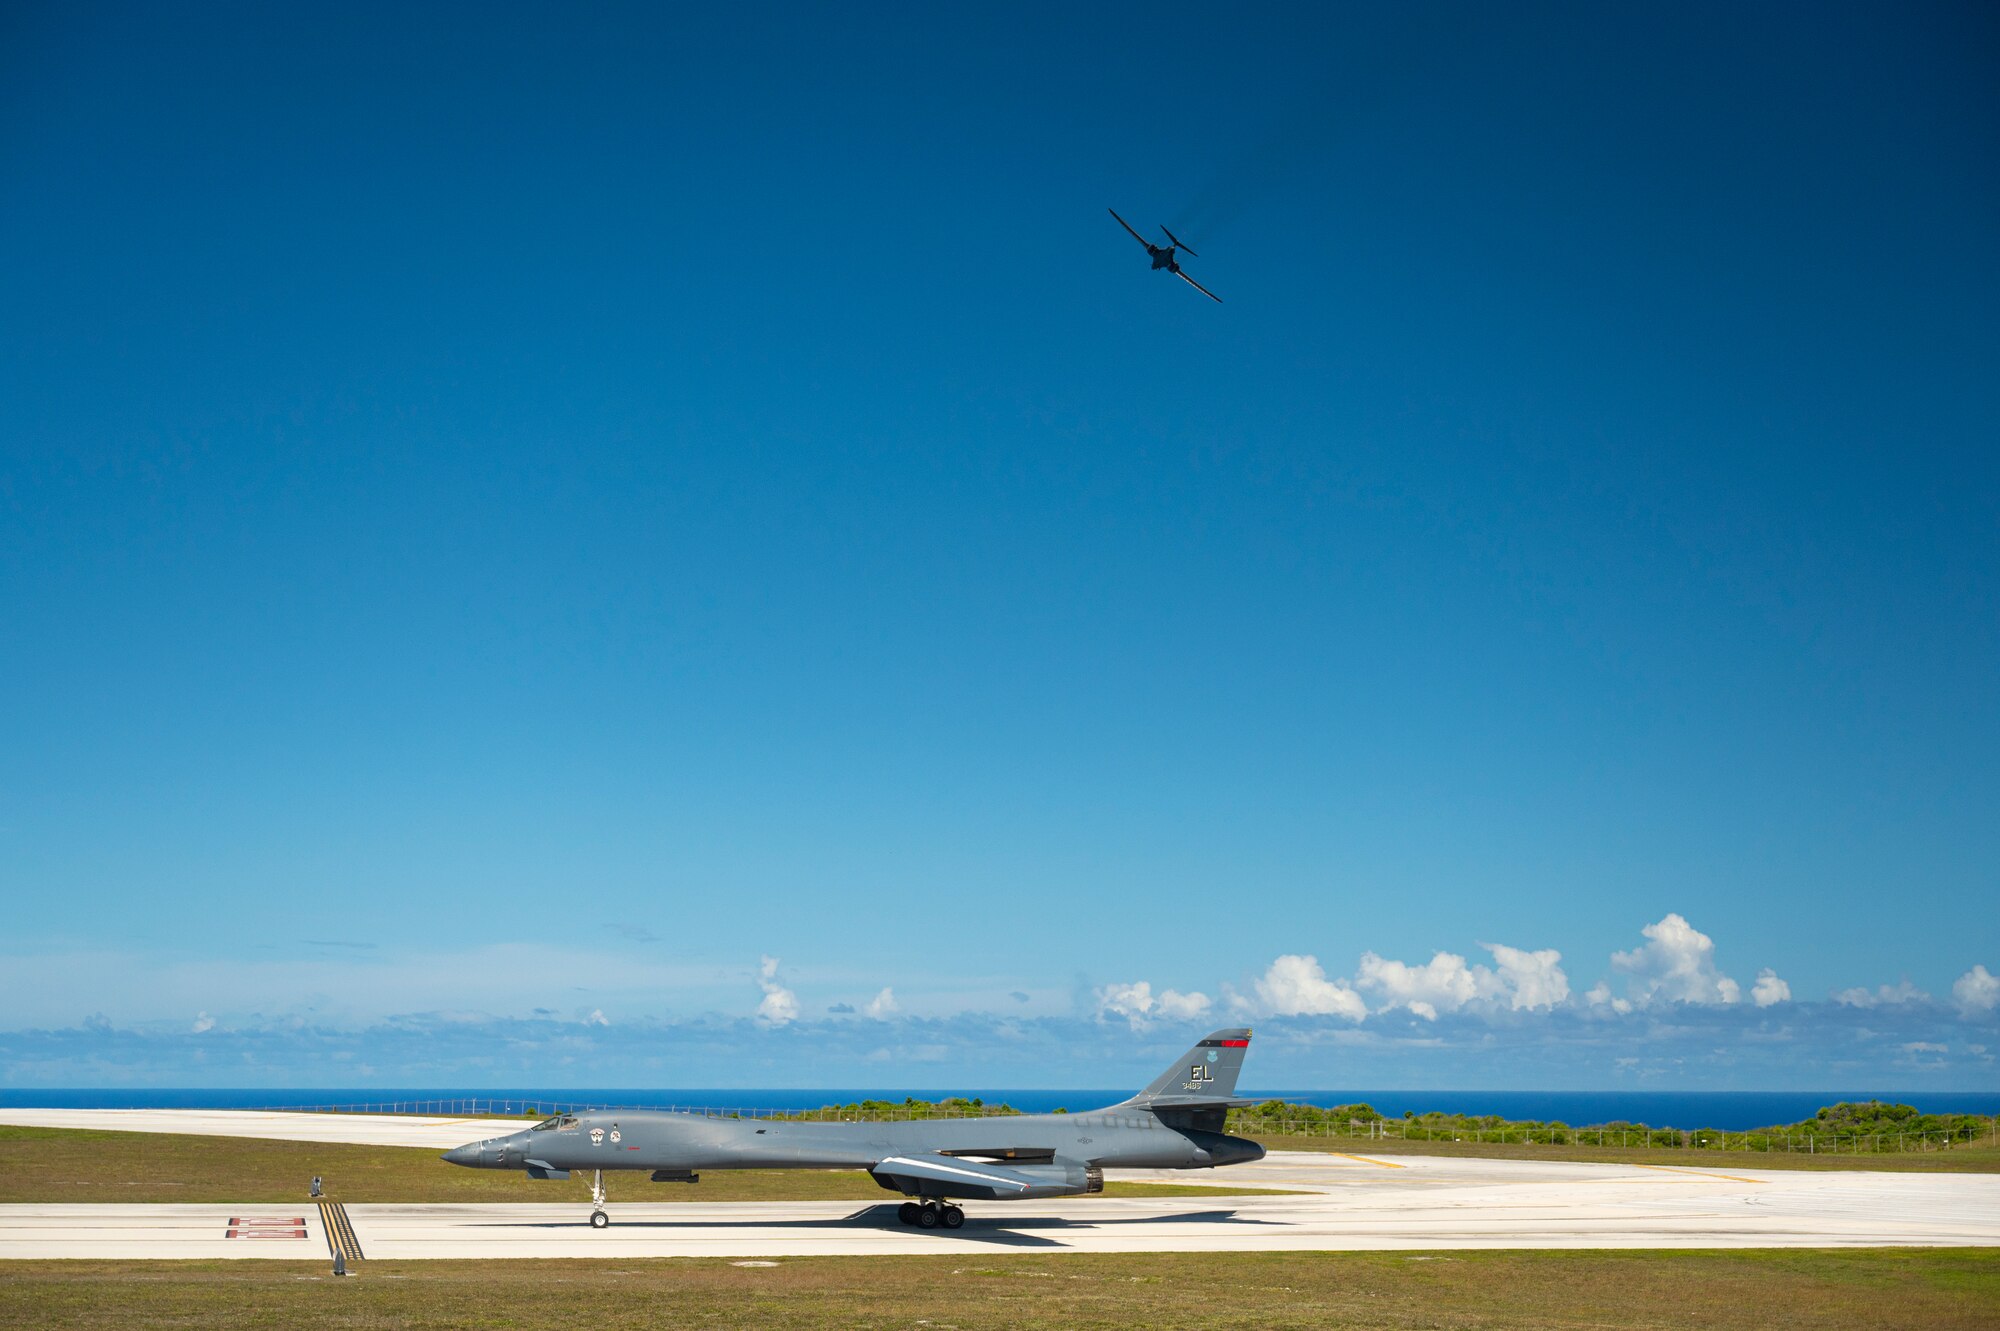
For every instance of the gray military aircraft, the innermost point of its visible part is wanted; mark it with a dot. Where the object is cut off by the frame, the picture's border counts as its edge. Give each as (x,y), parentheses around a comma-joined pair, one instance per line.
(1175,1123)
(1163,255)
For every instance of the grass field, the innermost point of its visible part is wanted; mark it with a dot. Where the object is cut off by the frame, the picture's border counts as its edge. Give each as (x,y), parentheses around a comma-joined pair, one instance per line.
(1824,1291)
(1982,1157)
(70,1165)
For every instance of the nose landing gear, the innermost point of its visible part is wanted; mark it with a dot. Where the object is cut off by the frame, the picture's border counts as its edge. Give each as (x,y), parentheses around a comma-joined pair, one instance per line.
(598,1218)
(930,1215)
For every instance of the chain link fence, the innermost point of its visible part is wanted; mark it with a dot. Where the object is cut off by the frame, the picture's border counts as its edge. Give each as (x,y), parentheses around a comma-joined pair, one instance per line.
(1964,1131)
(535,1108)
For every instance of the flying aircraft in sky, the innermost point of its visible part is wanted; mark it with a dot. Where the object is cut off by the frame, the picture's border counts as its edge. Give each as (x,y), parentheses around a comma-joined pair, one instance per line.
(1163,255)
(1175,1123)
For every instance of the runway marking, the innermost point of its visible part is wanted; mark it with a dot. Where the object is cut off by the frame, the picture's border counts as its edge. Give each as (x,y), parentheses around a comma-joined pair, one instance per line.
(1366,1161)
(1701,1173)
(266,1227)
(340,1240)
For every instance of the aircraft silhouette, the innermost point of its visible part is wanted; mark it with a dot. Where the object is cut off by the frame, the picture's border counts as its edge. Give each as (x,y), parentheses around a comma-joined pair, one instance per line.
(1177,1122)
(1163,256)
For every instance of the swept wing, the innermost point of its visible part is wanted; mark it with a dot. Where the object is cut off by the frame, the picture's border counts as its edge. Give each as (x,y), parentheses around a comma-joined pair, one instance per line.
(1128,226)
(1197,286)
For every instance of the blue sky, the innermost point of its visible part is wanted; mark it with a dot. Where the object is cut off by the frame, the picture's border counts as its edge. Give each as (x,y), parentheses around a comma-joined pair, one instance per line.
(511,517)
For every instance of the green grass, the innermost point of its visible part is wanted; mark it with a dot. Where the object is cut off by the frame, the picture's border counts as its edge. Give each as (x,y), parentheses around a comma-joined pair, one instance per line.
(1869,1290)
(1982,1157)
(75,1165)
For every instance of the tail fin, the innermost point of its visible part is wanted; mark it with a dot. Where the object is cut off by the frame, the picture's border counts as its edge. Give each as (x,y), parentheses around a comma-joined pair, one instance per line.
(1204,1076)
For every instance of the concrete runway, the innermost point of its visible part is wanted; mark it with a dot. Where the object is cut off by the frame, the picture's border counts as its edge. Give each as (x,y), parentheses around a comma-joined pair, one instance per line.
(1347,1202)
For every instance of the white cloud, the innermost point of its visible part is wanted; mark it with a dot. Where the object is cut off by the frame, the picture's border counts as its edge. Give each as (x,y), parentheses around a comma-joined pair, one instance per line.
(203,1023)
(1295,986)
(1976,992)
(1132,1001)
(1881,996)
(1532,979)
(597,1018)
(1445,981)
(1769,989)
(780,1004)
(883,1005)
(1138,1004)
(638,1048)
(1676,965)
(1924,1047)
(1173,1006)
(1599,995)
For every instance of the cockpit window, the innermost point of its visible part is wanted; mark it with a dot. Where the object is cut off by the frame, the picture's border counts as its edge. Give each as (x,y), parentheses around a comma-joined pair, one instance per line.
(559,1121)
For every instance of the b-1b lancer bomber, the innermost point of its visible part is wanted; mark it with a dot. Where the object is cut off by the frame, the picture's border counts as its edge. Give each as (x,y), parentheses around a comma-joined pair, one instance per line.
(1163,255)
(1175,1123)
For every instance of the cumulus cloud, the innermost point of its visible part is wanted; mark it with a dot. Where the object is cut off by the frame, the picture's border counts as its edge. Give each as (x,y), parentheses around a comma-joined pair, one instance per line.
(1530,979)
(1125,1000)
(1977,992)
(597,1018)
(883,1005)
(1445,981)
(1138,1004)
(1296,986)
(1881,996)
(1769,989)
(1728,1043)
(203,1023)
(1676,965)
(1173,1006)
(780,1005)
(1599,996)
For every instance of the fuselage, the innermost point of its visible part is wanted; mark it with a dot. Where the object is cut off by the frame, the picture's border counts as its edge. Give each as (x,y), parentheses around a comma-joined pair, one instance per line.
(660,1140)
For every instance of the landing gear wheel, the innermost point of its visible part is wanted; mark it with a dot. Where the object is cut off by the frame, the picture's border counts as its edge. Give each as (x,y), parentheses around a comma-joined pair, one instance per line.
(927,1216)
(599,1220)
(907,1212)
(952,1216)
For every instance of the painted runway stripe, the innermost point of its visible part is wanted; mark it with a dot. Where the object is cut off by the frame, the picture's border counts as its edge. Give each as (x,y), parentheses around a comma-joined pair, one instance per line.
(340,1240)
(1366,1160)
(1701,1173)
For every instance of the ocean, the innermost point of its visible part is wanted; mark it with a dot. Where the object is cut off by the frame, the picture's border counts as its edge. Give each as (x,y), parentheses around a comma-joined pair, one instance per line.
(1734,1111)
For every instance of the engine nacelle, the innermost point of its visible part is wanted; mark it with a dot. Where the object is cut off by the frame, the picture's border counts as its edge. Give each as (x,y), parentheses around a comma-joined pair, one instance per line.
(1045,1180)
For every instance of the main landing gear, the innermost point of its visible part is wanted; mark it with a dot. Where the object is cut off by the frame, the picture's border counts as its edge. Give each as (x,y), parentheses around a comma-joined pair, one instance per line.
(598,1218)
(930,1215)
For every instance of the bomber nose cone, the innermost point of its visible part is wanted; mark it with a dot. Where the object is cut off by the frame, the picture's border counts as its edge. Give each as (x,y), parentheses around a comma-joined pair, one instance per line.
(462,1155)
